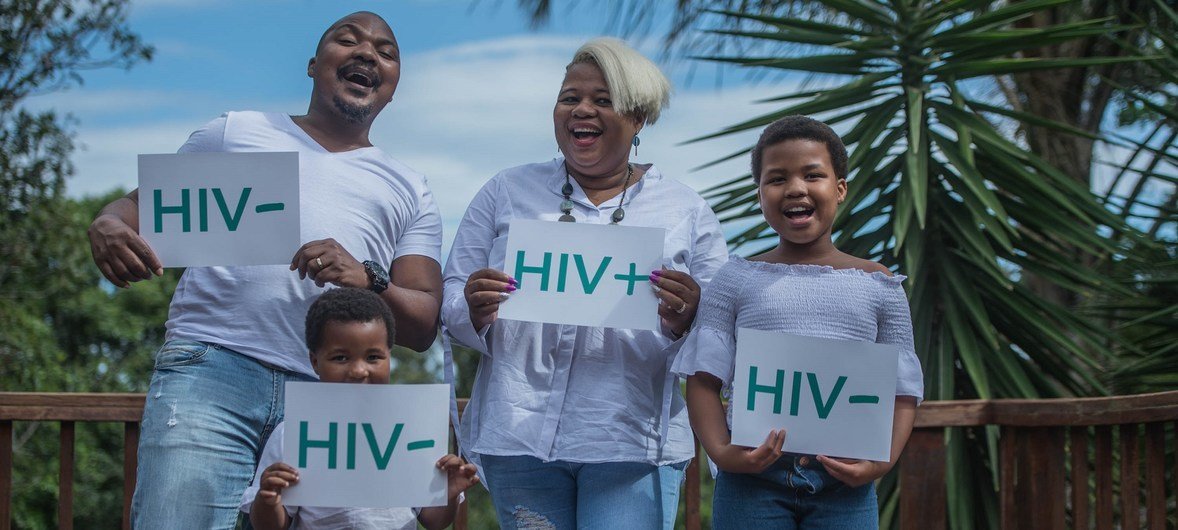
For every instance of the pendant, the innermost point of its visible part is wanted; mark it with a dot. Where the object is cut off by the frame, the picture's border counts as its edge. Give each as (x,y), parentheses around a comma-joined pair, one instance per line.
(618,215)
(566,218)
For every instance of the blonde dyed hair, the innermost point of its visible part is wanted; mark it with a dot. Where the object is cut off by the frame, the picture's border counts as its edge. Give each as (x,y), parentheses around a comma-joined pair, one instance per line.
(636,85)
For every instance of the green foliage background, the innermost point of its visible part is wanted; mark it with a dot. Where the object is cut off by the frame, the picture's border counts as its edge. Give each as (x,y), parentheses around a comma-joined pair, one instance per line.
(1031,282)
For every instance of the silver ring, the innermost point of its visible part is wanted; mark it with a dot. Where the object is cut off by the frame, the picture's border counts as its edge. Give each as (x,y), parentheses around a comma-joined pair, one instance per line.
(682,309)
(319,263)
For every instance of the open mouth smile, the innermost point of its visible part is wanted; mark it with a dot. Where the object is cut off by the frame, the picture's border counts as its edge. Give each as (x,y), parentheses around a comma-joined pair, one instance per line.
(798,214)
(585,136)
(359,76)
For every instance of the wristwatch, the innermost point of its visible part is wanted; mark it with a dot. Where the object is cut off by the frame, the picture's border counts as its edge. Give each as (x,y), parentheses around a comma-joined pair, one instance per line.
(378,277)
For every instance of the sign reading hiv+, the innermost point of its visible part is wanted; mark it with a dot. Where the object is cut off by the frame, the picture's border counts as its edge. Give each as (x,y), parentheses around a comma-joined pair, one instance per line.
(583,274)
(208,209)
(832,397)
(366,446)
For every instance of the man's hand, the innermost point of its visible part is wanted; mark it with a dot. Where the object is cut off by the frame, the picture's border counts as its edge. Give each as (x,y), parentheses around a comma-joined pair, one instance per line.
(459,475)
(274,479)
(738,459)
(120,253)
(326,261)
(854,473)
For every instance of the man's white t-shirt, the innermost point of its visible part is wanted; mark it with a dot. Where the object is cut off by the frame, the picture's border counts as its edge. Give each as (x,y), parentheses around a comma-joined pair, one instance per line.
(374,206)
(319,518)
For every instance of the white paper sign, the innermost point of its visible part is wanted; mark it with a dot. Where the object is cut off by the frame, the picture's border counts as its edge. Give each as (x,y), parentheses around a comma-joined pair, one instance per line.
(369,446)
(833,397)
(208,209)
(583,274)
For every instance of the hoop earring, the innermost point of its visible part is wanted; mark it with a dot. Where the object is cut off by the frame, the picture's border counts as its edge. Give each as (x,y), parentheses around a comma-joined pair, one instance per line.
(636,142)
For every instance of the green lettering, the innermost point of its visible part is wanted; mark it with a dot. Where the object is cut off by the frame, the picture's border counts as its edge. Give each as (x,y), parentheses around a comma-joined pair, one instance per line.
(631,278)
(351,445)
(796,397)
(776,391)
(382,457)
(590,285)
(231,221)
(160,210)
(562,277)
(305,443)
(824,408)
(521,269)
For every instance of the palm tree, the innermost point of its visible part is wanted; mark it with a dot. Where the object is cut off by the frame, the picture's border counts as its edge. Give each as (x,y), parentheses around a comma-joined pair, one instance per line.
(939,191)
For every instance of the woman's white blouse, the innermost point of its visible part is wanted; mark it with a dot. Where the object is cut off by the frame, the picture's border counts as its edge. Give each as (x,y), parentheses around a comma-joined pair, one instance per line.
(574,393)
(808,300)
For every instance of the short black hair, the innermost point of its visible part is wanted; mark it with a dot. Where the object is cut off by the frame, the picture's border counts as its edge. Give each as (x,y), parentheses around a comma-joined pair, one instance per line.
(798,127)
(346,305)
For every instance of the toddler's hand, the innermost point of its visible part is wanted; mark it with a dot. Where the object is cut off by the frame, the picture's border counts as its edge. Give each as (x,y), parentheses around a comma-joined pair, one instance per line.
(459,475)
(852,472)
(738,459)
(274,479)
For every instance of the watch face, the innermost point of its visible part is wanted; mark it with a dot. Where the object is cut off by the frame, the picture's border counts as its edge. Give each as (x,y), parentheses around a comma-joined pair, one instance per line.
(377,276)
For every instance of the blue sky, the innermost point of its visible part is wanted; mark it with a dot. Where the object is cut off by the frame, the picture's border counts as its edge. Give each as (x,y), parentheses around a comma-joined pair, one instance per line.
(475,95)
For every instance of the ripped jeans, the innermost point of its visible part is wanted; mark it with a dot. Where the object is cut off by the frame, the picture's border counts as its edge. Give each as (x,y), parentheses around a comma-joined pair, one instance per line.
(208,412)
(532,494)
(795,492)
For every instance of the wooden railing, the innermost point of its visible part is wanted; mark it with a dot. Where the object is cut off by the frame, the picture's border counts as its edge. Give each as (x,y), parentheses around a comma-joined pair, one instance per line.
(1055,456)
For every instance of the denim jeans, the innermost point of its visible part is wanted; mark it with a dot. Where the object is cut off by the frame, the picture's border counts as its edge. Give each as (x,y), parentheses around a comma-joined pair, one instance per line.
(209,411)
(531,494)
(795,492)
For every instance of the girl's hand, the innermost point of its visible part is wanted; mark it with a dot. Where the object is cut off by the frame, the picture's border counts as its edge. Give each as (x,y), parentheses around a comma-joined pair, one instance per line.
(485,290)
(274,479)
(678,296)
(854,473)
(459,475)
(738,459)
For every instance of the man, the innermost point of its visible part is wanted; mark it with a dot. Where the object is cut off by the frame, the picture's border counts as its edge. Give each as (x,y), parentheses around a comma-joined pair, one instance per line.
(234,334)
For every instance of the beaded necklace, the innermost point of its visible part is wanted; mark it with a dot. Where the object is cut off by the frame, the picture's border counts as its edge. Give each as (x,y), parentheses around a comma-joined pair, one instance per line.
(566,206)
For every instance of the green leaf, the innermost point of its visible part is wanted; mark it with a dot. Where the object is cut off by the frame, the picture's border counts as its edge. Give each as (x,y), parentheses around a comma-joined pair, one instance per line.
(966,69)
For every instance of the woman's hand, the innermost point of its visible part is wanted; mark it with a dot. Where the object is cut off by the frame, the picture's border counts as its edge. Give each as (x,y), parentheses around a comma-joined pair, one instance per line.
(678,296)
(326,261)
(738,459)
(854,473)
(485,290)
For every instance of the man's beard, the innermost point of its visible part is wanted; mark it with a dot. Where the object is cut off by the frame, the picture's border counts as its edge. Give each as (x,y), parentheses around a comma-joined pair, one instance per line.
(352,113)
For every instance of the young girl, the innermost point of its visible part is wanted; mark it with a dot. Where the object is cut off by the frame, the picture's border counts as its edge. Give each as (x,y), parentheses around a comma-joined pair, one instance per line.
(804,286)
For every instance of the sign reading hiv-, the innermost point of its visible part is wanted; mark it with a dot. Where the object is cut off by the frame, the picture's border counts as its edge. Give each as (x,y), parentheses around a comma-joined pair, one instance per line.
(207,209)
(832,397)
(583,274)
(366,446)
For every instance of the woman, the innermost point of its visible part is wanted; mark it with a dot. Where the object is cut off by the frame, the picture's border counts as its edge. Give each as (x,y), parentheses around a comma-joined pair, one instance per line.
(572,426)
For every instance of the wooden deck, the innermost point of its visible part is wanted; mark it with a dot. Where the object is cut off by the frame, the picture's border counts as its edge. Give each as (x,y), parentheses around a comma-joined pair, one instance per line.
(1064,463)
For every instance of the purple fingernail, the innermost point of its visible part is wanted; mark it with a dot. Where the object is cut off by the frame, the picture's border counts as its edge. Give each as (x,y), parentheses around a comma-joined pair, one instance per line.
(510,288)
(655,278)
(512,281)
(656,273)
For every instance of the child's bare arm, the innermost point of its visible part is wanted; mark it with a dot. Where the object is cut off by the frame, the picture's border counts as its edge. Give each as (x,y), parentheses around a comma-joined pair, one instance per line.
(859,472)
(459,477)
(268,512)
(707,419)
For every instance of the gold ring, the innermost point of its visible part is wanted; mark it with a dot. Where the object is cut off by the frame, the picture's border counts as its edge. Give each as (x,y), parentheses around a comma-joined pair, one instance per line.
(682,309)
(319,263)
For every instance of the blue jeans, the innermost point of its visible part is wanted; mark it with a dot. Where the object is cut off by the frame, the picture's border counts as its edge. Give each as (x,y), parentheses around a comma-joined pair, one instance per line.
(795,492)
(532,494)
(209,411)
